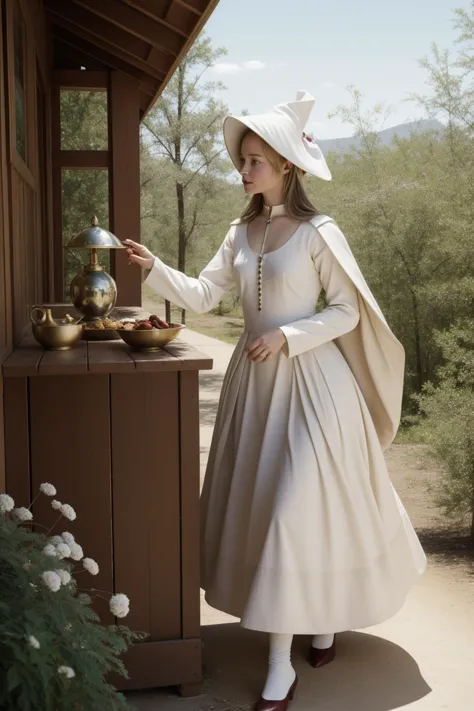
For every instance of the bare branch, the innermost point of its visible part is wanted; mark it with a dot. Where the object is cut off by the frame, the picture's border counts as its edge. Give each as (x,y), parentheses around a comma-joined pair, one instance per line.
(194,144)
(189,93)
(448,259)
(160,141)
(204,165)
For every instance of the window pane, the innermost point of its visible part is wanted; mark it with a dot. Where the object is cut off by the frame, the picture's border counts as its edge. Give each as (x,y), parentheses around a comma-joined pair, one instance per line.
(84,120)
(84,193)
(18,49)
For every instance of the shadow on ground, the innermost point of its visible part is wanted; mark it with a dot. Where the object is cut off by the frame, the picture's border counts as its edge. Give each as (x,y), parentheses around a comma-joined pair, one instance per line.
(369,674)
(207,413)
(210,381)
(448,546)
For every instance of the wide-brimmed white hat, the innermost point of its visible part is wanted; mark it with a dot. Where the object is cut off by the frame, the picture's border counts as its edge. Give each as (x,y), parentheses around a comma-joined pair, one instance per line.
(283,129)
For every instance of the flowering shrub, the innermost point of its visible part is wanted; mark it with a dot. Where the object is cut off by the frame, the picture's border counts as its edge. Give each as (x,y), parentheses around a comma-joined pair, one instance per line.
(54,652)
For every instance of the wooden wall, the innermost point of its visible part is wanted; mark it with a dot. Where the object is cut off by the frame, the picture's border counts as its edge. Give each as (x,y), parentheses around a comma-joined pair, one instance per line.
(5,331)
(26,268)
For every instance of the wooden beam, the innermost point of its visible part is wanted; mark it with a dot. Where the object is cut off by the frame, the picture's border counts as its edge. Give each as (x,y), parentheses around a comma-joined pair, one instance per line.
(195,6)
(180,17)
(83,80)
(173,16)
(144,103)
(124,133)
(110,60)
(69,58)
(111,49)
(154,30)
(100,30)
(86,160)
(192,37)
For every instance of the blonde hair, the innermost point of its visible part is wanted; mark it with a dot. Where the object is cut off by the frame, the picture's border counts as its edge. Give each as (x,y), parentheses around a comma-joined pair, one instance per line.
(298,206)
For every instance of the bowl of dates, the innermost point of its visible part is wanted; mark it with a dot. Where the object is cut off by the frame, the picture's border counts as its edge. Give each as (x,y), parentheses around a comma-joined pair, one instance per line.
(149,334)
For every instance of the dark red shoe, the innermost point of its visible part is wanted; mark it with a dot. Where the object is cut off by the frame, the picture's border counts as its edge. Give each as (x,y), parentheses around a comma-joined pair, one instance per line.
(266,705)
(320,657)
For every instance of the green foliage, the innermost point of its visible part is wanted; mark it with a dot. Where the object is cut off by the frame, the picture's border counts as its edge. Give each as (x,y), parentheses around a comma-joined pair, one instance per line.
(62,623)
(407,210)
(447,424)
(84,120)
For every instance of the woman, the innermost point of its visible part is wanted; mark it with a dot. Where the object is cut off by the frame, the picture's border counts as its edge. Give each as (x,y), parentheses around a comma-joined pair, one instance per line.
(302,532)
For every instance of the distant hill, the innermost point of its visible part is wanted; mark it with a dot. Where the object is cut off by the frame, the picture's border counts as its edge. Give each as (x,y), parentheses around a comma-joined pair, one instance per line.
(404,130)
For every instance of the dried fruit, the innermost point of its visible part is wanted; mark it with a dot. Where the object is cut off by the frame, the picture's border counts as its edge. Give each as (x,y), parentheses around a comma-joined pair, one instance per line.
(143,326)
(158,322)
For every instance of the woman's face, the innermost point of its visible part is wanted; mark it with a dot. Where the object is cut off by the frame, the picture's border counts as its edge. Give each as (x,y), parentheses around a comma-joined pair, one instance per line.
(258,174)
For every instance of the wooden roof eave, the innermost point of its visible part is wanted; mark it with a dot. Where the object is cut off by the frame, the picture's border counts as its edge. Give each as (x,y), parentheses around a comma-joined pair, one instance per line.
(128,36)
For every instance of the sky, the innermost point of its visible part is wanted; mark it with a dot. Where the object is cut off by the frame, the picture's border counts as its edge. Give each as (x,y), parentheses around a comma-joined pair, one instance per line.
(276,47)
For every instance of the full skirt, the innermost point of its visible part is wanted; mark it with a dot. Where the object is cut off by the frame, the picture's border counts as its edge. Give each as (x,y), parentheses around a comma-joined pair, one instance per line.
(301,529)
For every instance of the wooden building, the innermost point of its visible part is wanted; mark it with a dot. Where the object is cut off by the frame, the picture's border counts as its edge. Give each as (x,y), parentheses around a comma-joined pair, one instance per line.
(128,49)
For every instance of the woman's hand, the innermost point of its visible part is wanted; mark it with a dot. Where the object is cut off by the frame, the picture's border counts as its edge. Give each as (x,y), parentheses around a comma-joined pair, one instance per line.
(139,254)
(266,346)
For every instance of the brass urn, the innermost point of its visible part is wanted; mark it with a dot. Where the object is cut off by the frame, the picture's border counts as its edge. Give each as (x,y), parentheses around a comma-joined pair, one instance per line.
(93,292)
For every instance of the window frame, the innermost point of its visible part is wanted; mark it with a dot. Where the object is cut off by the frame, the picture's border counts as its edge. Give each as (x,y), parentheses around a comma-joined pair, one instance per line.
(26,166)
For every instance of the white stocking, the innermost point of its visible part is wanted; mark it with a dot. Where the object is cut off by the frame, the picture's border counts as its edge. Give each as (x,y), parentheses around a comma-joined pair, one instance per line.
(281,674)
(322,641)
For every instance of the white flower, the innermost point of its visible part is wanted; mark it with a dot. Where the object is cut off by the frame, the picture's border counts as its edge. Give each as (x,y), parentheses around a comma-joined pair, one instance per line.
(48,489)
(68,537)
(67,672)
(52,580)
(56,505)
(63,551)
(68,512)
(64,575)
(55,540)
(76,551)
(22,514)
(90,565)
(119,605)
(34,642)
(6,503)
(50,550)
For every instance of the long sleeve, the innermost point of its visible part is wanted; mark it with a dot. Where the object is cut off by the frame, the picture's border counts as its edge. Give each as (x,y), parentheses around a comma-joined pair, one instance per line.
(201,294)
(339,317)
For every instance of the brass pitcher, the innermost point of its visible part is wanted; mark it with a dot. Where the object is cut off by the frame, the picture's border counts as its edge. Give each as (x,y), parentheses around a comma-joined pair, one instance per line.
(55,335)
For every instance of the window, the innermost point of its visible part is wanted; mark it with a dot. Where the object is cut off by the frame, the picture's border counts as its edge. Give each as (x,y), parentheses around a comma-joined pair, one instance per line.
(84,193)
(84,120)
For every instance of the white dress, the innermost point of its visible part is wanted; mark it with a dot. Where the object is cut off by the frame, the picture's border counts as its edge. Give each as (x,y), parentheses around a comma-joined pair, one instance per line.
(302,531)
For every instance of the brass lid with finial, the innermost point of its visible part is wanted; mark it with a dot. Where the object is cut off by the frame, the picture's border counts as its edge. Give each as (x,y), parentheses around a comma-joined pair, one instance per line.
(94,237)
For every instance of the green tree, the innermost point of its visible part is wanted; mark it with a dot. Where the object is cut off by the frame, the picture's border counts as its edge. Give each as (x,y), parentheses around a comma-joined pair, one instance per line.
(412,242)
(184,127)
(447,426)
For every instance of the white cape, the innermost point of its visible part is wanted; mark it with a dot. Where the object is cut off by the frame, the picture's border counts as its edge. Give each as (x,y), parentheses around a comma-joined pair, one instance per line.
(375,356)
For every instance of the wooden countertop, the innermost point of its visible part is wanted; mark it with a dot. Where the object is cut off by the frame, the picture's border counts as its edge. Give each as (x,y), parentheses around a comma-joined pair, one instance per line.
(31,359)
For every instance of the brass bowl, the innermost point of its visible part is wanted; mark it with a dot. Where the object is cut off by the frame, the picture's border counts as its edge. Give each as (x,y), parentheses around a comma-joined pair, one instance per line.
(58,338)
(152,340)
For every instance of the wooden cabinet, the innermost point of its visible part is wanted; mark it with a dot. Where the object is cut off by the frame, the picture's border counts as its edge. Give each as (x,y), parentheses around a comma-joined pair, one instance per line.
(117,433)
